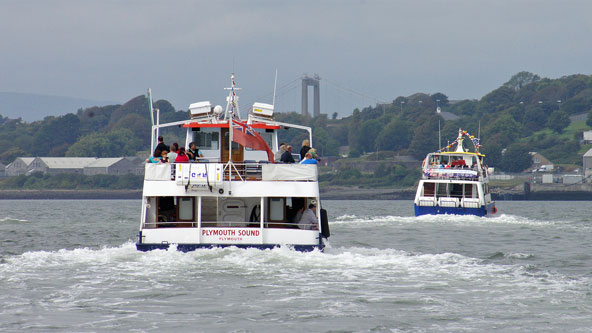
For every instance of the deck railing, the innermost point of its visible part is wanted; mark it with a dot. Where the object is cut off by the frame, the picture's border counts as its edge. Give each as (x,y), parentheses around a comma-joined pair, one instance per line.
(246,171)
(229,224)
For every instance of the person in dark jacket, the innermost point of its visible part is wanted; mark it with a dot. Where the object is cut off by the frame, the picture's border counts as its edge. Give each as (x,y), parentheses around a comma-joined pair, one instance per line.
(161,146)
(305,148)
(287,156)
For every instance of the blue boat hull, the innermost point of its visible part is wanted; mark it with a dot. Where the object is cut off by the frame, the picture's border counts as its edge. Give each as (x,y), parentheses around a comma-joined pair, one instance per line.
(437,210)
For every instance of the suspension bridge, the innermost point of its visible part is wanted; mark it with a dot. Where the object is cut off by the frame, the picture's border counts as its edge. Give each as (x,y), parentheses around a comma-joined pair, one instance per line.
(328,97)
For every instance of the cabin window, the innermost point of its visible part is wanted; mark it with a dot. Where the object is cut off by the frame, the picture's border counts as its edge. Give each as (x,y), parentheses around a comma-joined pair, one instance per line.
(207,140)
(277,210)
(428,189)
(456,190)
(442,190)
(209,211)
(268,137)
(186,208)
(470,191)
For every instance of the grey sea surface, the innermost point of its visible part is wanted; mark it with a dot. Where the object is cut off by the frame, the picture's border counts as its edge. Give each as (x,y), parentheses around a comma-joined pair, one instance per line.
(72,266)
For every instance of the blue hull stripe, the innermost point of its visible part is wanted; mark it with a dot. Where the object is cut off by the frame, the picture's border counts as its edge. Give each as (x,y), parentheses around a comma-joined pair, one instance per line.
(192,247)
(437,210)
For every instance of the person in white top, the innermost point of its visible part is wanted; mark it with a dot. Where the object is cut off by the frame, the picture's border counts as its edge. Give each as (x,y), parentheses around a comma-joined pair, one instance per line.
(309,219)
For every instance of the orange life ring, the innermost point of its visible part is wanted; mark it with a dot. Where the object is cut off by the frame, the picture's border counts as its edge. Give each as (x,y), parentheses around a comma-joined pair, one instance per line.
(494,210)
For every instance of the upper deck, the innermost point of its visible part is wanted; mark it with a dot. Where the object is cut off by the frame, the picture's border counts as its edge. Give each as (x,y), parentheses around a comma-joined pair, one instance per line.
(459,164)
(251,179)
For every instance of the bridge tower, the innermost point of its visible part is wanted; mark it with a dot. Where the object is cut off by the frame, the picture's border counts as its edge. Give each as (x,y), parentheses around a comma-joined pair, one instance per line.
(306,82)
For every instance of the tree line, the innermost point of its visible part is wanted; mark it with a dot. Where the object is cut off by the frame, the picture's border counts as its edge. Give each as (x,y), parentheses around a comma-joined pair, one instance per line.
(527,113)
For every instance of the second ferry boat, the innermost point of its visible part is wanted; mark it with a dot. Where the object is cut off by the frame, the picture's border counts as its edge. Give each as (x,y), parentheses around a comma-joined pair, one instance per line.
(455,180)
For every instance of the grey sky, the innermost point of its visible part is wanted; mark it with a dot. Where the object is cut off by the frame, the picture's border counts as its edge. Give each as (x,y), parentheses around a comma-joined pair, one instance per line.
(184,50)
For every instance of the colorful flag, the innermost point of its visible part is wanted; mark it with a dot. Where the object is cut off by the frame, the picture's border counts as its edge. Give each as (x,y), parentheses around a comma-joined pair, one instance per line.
(248,137)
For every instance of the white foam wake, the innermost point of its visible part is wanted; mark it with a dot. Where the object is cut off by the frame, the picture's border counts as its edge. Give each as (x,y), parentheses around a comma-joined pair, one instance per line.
(339,264)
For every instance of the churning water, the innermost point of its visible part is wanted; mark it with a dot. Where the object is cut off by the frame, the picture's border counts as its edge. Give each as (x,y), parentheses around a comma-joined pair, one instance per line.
(72,266)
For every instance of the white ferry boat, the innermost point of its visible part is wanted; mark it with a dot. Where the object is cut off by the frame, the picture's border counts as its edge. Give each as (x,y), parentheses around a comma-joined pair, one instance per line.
(236,195)
(455,181)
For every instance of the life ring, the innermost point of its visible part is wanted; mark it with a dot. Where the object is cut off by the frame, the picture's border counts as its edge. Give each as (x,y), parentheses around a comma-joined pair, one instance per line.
(494,210)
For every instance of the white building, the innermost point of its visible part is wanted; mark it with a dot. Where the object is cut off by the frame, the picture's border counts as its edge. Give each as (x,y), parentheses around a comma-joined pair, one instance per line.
(56,165)
(19,166)
(587,163)
(111,166)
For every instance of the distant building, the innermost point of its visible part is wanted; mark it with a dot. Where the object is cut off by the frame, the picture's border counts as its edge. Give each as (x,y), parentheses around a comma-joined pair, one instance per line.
(111,166)
(587,163)
(540,163)
(18,166)
(56,165)
(78,165)
(139,164)
(587,137)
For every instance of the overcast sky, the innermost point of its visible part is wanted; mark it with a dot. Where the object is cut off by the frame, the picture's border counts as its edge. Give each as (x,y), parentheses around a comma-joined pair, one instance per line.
(186,50)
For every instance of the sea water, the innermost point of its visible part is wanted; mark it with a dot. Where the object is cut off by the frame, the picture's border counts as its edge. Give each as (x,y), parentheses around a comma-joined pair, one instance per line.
(72,266)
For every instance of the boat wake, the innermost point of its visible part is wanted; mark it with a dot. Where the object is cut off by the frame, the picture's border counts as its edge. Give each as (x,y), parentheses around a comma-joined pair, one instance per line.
(11,219)
(343,264)
(454,220)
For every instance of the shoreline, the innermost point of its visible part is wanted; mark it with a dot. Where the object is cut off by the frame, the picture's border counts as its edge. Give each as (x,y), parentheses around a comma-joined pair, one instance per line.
(70,194)
(327,193)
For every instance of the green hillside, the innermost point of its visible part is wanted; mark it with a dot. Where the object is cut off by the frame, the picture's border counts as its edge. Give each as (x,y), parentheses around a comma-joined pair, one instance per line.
(528,113)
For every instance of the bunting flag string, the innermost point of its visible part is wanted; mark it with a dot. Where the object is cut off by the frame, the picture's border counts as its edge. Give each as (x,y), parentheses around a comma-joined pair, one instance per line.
(474,140)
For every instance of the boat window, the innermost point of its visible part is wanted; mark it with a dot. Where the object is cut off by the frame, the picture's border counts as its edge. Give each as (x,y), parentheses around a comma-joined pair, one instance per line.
(207,140)
(277,210)
(428,189)
(267,137)
(186,208)
(470,191)
(456,190)
(166,209)
(442,190)
(209,211)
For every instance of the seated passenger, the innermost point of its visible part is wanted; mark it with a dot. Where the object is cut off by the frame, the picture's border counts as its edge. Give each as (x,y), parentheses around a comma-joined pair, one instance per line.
(287,156)
(155,158)
(313,153)
(309,219)
(164,156)
(181,156)
(173,153)
(277,156)
(308,159)
(193,152)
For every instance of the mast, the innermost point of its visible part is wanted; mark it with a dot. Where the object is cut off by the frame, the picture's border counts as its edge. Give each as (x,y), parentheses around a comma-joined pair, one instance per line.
(149,96)
(274,87)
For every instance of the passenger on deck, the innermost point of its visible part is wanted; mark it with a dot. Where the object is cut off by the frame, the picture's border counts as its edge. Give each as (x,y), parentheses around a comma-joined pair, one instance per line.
(287,156)
(155,158)
(308,159)
(313,153)
(161,146)
(181,156)
(305,148)
(193,152)
(278,155)
(309,219)
(173,153)
(163,156)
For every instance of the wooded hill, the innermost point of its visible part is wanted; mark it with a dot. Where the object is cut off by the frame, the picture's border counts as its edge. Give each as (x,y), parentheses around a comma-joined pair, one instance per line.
(528,113)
